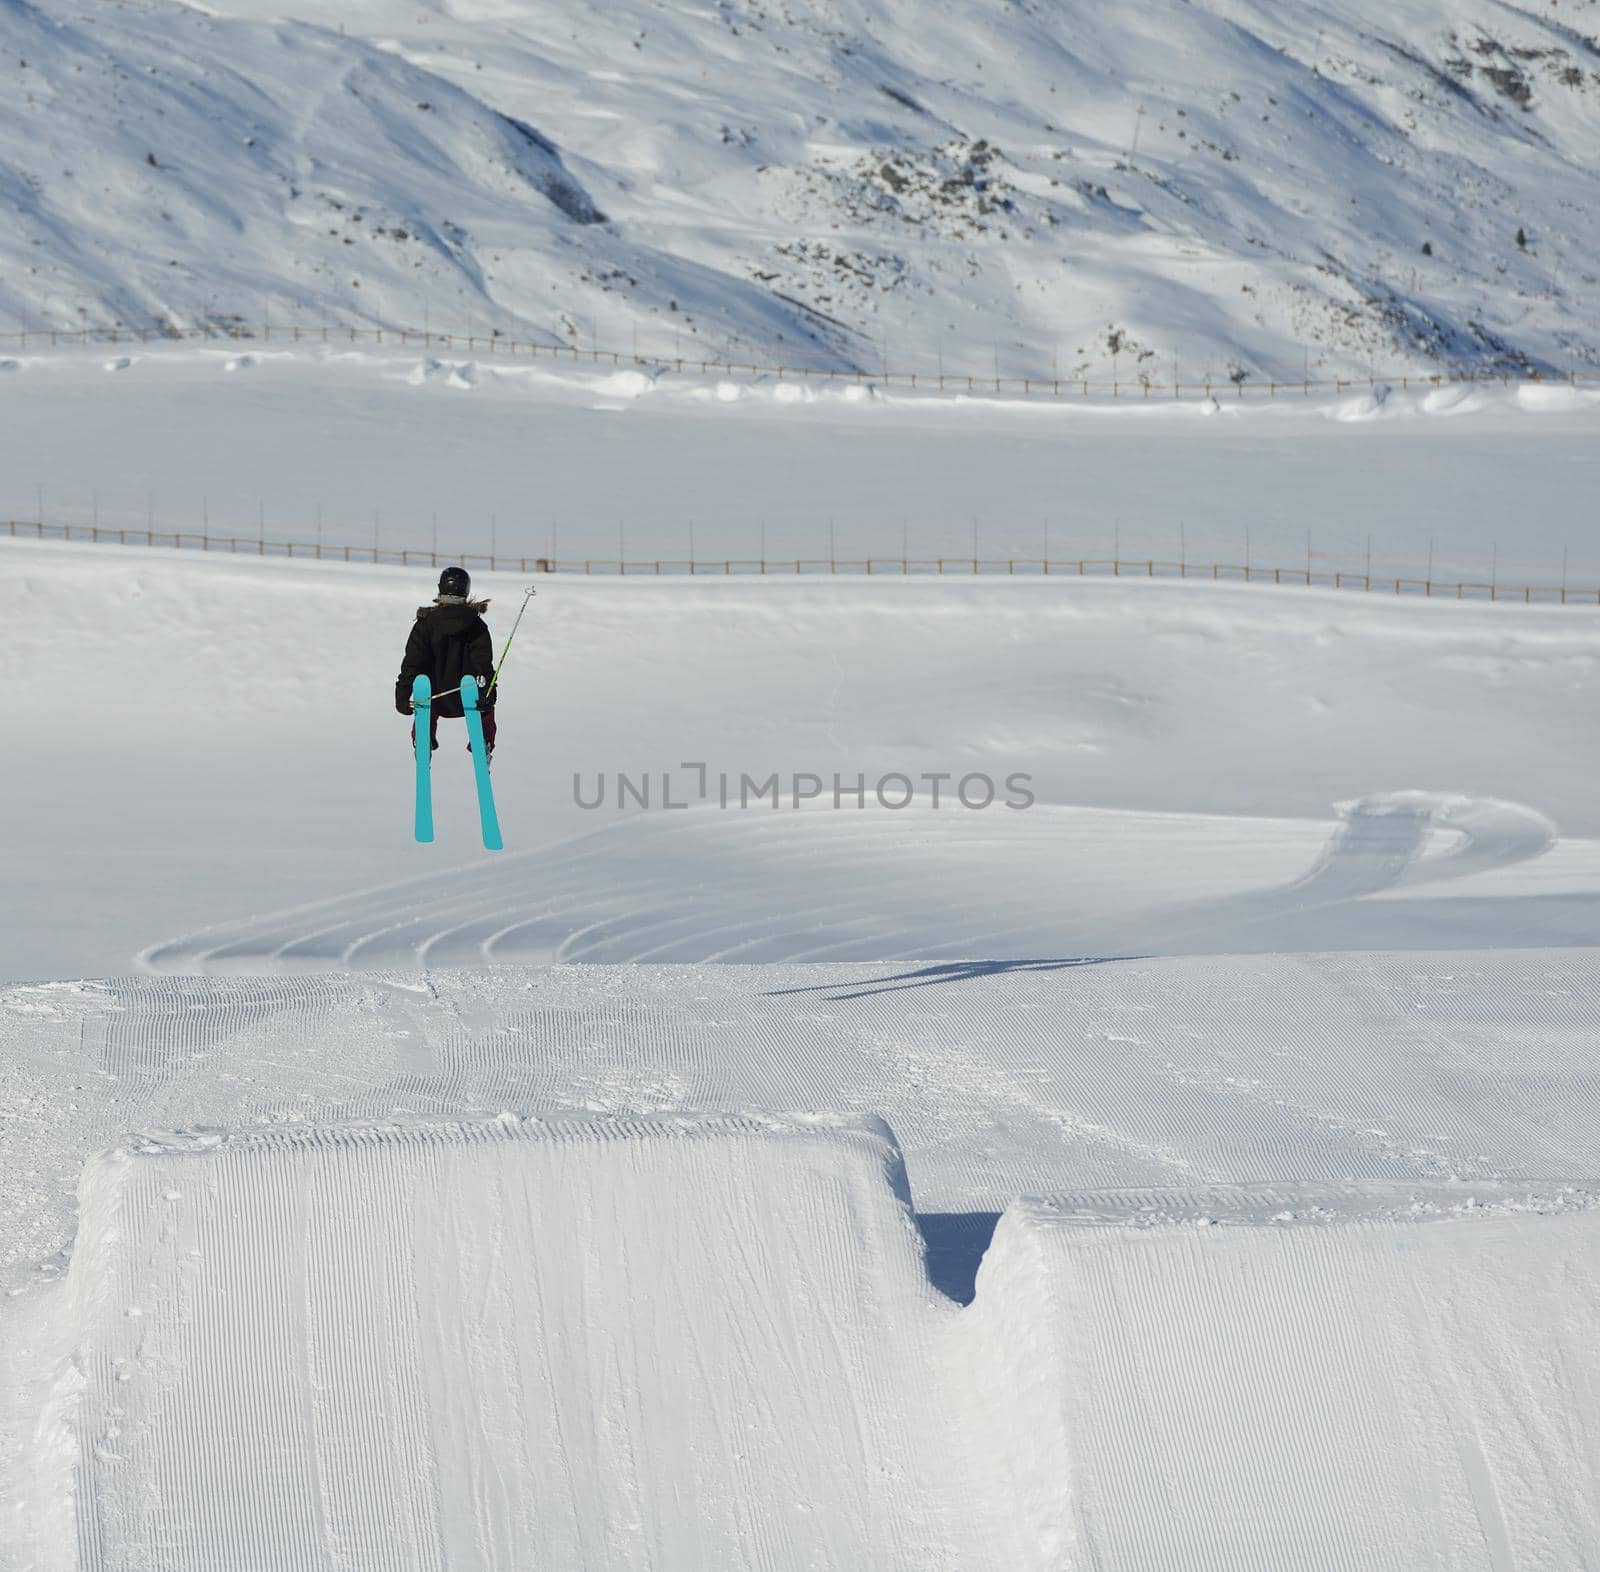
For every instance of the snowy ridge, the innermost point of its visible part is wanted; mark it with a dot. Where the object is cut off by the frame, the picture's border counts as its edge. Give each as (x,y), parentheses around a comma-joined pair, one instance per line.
(1309,1204)
(1231,188)
(467,1337)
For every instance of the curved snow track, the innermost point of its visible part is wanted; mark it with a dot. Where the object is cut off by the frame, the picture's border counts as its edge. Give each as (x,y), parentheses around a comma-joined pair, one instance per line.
(923,884)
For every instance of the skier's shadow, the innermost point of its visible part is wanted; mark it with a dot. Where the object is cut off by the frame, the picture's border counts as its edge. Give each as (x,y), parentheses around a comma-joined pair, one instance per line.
(951,972)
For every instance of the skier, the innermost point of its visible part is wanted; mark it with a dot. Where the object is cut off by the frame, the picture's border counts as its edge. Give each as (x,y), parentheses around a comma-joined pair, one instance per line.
(449,641)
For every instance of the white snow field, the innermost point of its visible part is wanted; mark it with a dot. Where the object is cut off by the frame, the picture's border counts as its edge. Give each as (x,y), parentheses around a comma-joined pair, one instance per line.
(1007,1071)
(1484,483)
(1193,1169)
(1225,187)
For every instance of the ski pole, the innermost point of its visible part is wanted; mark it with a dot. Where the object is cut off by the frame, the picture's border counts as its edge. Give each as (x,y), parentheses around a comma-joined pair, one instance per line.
(528,595)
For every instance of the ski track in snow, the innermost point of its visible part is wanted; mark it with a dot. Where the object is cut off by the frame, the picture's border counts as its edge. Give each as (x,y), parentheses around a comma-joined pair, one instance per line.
(817,886)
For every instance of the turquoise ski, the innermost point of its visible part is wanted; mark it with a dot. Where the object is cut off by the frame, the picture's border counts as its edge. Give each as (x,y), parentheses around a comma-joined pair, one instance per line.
(422,713)
(480,765)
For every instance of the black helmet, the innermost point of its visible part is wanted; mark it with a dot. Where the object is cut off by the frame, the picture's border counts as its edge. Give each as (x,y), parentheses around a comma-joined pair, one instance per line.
(455,581)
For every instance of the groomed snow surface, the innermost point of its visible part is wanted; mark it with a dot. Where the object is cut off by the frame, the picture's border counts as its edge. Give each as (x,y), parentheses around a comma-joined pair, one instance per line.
(1195,1171)
(668,1340)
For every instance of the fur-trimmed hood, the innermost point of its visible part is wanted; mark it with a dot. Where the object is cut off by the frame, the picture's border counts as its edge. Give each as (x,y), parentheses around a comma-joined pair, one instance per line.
(478,606)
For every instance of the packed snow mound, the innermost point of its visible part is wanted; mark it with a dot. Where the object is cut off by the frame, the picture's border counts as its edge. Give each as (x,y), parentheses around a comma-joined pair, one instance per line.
(657,1342)
(1229,188)
(670,1340)
(1302,1376)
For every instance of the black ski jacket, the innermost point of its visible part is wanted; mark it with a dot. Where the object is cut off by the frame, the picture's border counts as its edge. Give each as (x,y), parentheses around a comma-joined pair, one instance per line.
(447,643)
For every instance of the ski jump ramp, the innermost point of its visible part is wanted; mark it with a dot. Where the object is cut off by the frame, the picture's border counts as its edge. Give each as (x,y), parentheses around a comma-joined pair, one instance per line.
(710,1342)
(1259,1380)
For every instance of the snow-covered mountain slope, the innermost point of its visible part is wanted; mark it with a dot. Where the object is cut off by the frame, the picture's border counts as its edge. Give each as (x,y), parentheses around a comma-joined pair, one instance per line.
(1229,187)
